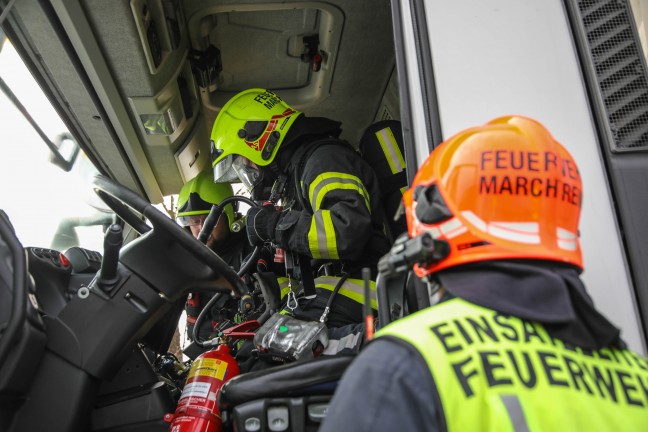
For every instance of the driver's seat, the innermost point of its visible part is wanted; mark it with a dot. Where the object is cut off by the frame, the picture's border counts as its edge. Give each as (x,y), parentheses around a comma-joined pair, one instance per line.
(22,333)
(291,397)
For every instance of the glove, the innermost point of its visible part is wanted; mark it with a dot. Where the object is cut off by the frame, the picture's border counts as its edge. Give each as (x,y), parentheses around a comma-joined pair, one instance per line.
(261,223)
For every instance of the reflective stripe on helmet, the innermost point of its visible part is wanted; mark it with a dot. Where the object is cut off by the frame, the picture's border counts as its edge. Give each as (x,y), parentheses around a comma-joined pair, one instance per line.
(567,240)
(452,228)
(522,232)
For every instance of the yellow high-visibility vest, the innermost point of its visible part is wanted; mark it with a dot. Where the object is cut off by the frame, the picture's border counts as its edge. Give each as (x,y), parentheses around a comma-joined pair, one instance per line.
(496,372)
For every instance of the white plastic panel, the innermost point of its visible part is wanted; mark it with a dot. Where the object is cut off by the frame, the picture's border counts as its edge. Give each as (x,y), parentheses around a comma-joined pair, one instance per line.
(499,57)
(270,47)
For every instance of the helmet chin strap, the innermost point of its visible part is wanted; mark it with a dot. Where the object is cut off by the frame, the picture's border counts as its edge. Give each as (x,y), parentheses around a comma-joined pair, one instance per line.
(435,291)
(257,192)
(274,169)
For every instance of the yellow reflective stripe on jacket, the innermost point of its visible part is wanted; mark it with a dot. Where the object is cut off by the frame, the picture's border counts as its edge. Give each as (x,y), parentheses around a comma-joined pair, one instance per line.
(497,372)
(391,150)
(330,181)
(351,288)
(322,241)
(283,286)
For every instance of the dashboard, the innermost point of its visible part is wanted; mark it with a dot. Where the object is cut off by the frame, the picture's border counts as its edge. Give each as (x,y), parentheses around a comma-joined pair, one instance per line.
(58,276)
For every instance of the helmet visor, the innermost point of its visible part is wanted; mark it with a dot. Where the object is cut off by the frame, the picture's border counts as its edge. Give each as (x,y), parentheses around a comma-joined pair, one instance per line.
(249,174)
(192,220)
(195,220)
(223,172)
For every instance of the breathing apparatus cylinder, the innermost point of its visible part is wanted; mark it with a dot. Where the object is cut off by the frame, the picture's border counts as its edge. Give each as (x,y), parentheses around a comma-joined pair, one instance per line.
(197,409)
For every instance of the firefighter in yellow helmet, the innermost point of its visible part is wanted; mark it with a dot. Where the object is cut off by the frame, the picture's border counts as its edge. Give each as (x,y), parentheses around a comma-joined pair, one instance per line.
(195,201)
(331,220)
(515,342)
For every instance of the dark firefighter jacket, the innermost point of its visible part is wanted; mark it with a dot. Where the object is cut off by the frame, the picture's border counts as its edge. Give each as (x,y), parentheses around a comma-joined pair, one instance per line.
(333,211)
(343,219)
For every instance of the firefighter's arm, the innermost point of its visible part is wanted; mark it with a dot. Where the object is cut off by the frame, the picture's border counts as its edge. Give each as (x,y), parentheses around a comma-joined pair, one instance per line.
(340,224)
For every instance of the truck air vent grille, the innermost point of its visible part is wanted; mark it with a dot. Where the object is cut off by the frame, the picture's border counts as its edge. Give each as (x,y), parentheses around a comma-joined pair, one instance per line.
(385,114)
(620,68)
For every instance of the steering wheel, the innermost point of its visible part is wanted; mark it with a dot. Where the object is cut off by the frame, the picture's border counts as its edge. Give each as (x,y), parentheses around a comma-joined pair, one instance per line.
(212,219)
(126,204)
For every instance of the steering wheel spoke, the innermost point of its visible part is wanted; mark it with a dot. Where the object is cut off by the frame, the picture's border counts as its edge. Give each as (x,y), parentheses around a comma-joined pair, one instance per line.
(128,205)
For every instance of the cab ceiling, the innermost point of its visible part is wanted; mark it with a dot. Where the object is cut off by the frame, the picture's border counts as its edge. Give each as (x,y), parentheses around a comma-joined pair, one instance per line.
(360,56)
(365,60)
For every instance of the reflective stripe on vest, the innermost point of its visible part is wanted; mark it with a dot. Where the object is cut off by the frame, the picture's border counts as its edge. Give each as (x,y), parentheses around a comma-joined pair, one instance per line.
(351,288)
(495,372)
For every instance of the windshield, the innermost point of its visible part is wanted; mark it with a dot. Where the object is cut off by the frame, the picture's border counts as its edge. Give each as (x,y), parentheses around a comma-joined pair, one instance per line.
(47,206)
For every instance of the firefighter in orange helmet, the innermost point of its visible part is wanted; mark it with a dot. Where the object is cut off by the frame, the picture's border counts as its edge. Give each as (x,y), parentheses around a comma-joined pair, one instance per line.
(511,341)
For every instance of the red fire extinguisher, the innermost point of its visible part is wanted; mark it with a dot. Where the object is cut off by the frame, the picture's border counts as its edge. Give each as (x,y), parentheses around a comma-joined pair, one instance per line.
(197,409)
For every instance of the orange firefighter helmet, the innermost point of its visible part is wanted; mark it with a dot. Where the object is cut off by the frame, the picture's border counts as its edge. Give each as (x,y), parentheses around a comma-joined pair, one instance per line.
(504,190)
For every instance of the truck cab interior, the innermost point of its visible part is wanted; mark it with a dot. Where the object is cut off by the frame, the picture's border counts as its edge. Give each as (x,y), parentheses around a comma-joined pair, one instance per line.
(137,86)
(134,87)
